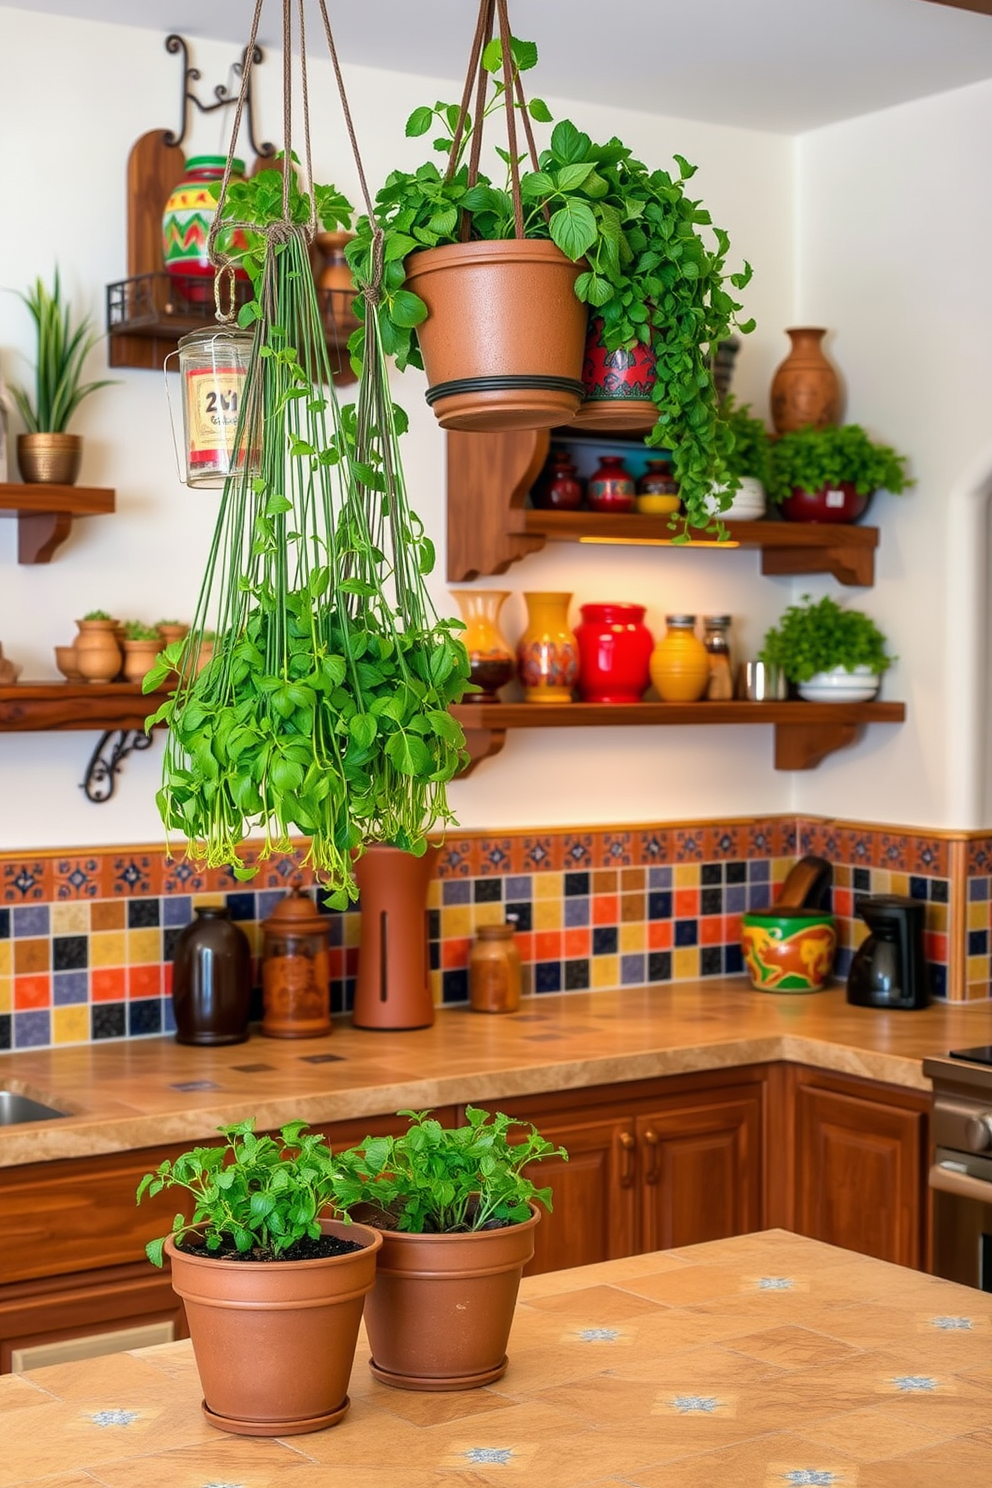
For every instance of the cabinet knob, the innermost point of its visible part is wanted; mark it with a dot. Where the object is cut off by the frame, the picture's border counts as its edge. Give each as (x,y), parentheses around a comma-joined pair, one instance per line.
(652,1141)
(627,1146)
(978,1132)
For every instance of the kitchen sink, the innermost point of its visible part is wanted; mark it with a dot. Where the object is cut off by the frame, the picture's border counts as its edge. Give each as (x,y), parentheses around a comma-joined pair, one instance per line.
(16,1108)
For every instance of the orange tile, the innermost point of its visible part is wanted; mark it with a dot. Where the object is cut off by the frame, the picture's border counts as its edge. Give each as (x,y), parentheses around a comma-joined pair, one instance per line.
(843,902)
(659,935)
(686,904)
(935,946)
(31,956)
(107,984)
(605,909)
(32,992)
(604,881)
(525,944)
(167,979)
(454,953)
(107,914)
(144,981)
(732,927)
(711,930)
(547,945)
(633,878)
(633,906)
(577,942)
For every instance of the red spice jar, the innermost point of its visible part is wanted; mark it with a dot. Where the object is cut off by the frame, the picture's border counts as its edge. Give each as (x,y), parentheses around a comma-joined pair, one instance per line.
(611,489)
(296,984)
(614,653)
(558,488)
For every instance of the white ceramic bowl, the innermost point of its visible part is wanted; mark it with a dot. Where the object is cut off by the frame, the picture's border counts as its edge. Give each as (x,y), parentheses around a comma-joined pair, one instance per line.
(748,504)
(840,686)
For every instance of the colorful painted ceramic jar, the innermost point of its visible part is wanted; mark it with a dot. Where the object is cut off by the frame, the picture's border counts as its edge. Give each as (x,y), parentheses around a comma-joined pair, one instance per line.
(611,489)
(788,950)
(189,214)
(614,652)
(680,664)
(658,490)
(547,654)
(558,488)
(617,384)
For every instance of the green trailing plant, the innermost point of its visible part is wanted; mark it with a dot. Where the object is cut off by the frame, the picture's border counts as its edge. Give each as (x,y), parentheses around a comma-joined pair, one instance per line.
(445,1179)
(749,454)
(813,638)
(324,707)
(134,630)
(648,270)
(97,615)
(62,351)
(810,459)
(253,1196)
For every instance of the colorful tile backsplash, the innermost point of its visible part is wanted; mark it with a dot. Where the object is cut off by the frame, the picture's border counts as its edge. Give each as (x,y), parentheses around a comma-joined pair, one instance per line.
(87,938)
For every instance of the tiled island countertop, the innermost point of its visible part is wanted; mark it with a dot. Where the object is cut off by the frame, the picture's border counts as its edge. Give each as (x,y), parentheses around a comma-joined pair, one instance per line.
(764,1361)
(143,1092)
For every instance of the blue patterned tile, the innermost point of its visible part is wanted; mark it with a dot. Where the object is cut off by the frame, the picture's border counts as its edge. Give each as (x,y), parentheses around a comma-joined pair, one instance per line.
(632,970)
(177,910)
(735,898)
(33,1030)
(759,896)
(241,906)
(686,933)
(518,886)
(547,976)
(144,1016)
(70,987)
(576,913)
(456,891)
(4,924)
(660,878)
(759,871)
(31,919)
(168,1015)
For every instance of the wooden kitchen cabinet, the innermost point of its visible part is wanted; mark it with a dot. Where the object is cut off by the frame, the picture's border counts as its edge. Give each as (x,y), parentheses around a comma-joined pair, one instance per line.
(859,1165)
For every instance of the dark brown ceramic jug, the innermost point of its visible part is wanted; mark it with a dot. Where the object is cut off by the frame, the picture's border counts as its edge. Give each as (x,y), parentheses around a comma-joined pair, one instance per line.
(211,980)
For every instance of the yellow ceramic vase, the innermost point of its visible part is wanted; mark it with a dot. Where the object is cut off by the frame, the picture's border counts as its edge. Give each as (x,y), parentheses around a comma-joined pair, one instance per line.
(491,663)
(680,666)
(547,653)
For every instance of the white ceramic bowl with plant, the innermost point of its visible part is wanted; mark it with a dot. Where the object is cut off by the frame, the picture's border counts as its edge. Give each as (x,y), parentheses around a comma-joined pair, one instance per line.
(747,462)
(831,654)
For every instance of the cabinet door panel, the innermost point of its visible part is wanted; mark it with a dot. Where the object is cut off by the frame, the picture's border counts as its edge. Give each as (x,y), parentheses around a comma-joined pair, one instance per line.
(858,1174)
(593,1193)
(700,1170)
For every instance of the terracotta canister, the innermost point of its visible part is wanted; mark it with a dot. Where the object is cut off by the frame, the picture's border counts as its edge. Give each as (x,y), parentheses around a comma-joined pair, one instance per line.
(617,384)
(547,653)
(186,222)
(611,488)
(139,658)
(494,970)
(614,653)
(788,950)
(98,656)
(296,984)
(680,665)
(211,980)
(558,488)
(491,659)
(806,388)
(393,989)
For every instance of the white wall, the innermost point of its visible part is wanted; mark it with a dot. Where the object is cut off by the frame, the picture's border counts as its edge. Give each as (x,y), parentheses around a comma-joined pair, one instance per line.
(894,222)
(73,98)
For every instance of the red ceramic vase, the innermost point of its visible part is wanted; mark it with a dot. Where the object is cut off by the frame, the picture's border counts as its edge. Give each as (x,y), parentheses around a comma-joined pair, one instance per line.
(617,384)
(614,652)
(839,503)
(611,489)
(557,488)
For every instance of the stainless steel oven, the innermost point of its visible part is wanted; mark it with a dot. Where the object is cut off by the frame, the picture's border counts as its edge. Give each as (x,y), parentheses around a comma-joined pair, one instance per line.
(961,1173)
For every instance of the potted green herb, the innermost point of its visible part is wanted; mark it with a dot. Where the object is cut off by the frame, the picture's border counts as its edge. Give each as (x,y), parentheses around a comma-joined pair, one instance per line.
(832,654)
(588,223)
(142,644)
(98,655)
(747,463)
(829,475)
(457,1215)
(46,454)
(273,1289)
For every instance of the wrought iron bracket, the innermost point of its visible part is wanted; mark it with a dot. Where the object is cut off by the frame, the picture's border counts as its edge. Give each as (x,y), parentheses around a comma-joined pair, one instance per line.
(100,780)
(223,99)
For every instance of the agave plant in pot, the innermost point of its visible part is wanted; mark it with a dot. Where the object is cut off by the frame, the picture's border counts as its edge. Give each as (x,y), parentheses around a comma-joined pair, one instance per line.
(273,1287)
(831,654)
(830,475)
(46,454)
(490,287)
(457,1215)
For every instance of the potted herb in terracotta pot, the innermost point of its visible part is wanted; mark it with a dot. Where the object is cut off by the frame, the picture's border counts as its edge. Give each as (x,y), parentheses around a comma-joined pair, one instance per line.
(831,654)
(142,643)
(98,656)
(457,1215)
(489,285)
(46,453)
(830,475)
(273,1290)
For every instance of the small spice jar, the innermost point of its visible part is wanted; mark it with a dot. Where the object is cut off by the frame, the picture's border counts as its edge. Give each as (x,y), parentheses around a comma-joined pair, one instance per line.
(720,687)
(296,985)
(494,970)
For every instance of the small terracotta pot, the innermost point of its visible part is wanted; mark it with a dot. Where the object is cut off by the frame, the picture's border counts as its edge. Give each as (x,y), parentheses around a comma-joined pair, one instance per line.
(839,503)
(139,658)
(439,1315)
(170,633)
(65,660)
(275,1340)
(98,655)
(504,335)
(49,459)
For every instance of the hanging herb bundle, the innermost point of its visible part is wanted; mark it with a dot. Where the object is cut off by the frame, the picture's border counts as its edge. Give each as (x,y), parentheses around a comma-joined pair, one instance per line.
(324,707)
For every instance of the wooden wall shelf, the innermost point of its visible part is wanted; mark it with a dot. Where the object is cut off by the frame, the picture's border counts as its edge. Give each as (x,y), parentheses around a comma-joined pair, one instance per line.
(45,514)
(41,707)
(805,733)
(490,525)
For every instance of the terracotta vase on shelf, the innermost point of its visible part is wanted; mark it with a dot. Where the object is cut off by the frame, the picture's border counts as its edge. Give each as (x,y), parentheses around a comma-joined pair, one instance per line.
(611,488)
(98,656)
(491,660)
(558,488)
(614,653)
(547,653)
(139,658)
(680,664)
(617,385)
(805,389)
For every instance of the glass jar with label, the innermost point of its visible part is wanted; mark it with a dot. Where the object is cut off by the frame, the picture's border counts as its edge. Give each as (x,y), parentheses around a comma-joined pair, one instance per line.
(213,365)
(720,687)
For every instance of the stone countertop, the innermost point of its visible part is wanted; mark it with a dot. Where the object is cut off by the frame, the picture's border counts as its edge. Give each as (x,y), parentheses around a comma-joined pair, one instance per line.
(135,1093)
(762,1361)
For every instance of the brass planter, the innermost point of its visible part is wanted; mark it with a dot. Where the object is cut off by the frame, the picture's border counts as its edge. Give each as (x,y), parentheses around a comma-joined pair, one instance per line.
(49,459)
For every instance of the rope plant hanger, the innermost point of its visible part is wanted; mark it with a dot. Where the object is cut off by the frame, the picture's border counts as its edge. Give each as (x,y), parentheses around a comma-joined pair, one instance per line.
(314,686)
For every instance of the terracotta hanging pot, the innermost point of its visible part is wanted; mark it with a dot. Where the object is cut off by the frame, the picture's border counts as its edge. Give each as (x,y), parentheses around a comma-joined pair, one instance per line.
(504,335)
(805,389)
(617,385)
(439,1315)
(275,1340)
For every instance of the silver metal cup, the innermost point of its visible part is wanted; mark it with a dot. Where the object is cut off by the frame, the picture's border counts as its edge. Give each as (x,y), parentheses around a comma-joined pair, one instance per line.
(759,682)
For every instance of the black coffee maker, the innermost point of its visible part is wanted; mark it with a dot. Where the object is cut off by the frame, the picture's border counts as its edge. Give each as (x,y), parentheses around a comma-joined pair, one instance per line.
(889,969)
